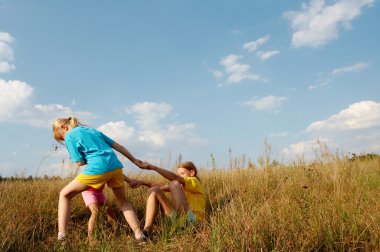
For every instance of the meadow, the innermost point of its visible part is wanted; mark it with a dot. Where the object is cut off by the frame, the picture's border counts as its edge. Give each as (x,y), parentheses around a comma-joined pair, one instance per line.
(330,204)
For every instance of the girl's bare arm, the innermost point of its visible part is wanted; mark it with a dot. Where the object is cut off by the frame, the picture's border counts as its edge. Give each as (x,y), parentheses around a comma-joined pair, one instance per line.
(134,183)
(126,153)
(165,173)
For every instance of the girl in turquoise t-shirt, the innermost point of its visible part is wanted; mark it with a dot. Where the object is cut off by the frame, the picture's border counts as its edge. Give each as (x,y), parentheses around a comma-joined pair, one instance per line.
(90,147)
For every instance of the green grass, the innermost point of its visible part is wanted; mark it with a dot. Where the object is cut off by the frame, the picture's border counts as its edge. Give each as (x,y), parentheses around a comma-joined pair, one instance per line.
(326,206)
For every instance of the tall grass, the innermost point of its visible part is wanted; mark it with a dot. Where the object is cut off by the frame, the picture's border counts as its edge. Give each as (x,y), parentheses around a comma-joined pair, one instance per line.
(325,206)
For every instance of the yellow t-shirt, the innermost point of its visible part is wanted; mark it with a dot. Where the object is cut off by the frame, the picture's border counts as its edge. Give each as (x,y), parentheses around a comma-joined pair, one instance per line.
(195,196)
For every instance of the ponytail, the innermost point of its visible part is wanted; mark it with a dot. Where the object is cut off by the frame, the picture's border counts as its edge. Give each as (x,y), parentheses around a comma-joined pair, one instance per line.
(73,122)
(70,121)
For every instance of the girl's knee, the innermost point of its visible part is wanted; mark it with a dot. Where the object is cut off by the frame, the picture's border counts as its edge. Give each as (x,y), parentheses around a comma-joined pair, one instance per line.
(175,184)
(94,208)
(67,193)
(94,215)
(154,190)
(125,207)
(64,193)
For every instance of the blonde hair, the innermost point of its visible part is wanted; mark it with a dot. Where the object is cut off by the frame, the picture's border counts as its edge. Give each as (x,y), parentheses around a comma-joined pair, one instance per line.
(71,122)
(190,167)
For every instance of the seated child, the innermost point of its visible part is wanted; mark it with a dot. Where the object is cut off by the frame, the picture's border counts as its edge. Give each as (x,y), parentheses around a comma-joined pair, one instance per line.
(186,191)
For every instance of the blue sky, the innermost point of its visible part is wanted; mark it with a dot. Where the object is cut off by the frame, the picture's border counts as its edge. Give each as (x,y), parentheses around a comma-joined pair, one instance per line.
(190,78)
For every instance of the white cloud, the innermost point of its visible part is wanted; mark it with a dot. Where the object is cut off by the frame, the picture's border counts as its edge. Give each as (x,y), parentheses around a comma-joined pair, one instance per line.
(43,115)
(324,81)
(217,74)
(6,37)
(152,130)
(253,45)
(368,141)
(118,131)
(6,67)
(17,105)
(319,85)
(354,129)
(152,137)
(361,115)
(14,95)
(53,109)
(6,53)
(308,149)
(236,71)
(263,55)
(356,68)
(148,114)
(270,102)
(268,54)
(184,133)
(317,23)
(176,131)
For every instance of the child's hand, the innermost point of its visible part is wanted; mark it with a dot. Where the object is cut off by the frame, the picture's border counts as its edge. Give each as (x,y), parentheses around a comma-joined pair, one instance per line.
(145,166)
(135,183)
(137,162)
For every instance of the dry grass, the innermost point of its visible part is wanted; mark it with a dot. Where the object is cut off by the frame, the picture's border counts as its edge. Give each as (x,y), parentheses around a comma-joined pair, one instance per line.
(327,206)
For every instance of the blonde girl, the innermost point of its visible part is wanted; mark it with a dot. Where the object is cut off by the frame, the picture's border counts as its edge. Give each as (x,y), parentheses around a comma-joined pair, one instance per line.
(186,191)
(88,146)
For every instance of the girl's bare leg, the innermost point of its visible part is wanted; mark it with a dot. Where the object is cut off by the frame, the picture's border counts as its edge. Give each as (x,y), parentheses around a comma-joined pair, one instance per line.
(180,202)
(64,206)
(94,208)
(128,211)
(155,196)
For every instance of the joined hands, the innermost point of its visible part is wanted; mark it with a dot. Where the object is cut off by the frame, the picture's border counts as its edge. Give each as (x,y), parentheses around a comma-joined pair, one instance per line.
(135,183)
(145,166)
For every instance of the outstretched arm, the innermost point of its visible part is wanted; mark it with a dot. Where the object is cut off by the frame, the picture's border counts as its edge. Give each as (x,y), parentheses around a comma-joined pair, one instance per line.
(126,153)
(135,183)
(165,173)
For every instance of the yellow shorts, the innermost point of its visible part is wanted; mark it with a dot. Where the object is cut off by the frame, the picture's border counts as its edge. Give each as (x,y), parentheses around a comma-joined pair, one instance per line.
(113,178)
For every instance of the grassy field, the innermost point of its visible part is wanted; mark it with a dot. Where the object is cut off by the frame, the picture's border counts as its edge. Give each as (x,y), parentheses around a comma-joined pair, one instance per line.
(325,206)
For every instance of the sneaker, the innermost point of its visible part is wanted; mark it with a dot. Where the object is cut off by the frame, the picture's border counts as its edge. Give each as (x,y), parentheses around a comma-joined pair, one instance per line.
(141,238)
(61,236)
(146,233)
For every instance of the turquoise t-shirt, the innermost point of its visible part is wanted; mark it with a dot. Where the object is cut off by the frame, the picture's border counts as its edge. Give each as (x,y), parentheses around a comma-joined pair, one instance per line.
(92,147)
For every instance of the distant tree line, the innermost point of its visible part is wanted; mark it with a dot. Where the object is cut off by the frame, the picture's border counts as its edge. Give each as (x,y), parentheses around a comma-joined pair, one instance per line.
(362,157)
(29,178)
